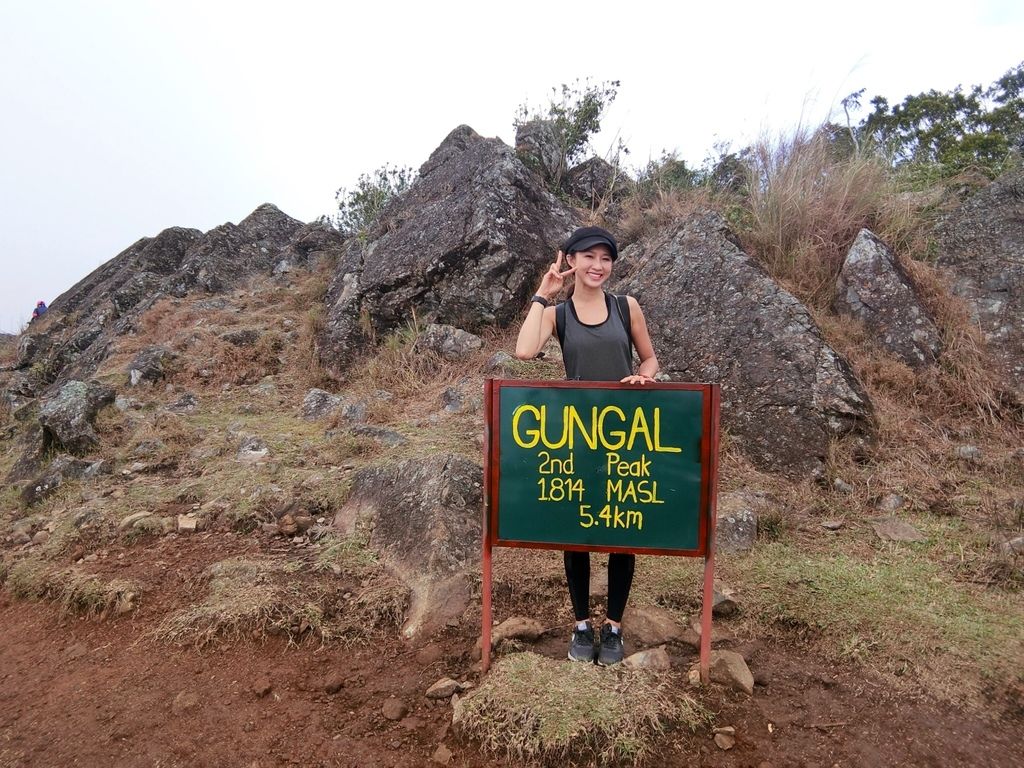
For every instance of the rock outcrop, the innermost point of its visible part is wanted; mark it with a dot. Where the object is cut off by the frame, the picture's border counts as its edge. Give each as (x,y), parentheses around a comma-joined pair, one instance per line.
(464,246)
(716,316)
(874,289)
(982,246)
(83,321)
(67,418)
(424,519)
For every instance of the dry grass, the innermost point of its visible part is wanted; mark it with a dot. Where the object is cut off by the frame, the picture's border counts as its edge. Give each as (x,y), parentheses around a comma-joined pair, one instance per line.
(531,709)
(804,208)
(642,216)
(75,592)
(246,597)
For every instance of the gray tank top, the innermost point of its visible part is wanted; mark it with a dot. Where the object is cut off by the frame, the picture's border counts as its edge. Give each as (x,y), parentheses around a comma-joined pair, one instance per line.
(596,352)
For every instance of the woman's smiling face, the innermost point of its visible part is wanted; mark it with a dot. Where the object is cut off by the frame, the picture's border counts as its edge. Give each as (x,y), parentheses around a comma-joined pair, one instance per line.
(593,266)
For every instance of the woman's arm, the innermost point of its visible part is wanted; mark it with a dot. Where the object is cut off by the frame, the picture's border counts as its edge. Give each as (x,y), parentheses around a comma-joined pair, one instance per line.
(540,320)
(642,342)
(535,331)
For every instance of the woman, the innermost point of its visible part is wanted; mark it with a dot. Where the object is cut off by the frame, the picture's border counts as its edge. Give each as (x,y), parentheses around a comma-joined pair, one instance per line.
(595,339)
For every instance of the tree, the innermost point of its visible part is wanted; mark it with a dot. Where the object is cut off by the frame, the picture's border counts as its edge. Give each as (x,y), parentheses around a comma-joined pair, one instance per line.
(954,129)
(574,116)
(360,207)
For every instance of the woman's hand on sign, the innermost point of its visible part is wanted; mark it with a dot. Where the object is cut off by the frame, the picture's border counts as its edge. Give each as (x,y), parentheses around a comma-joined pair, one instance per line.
(637,379)
(551,283)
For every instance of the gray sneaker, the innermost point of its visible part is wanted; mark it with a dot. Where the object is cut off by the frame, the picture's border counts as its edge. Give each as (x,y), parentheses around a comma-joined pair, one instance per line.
(611,646)
(582,647)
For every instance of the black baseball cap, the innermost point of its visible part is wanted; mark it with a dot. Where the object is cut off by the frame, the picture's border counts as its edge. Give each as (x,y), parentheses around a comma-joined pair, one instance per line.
(588,237)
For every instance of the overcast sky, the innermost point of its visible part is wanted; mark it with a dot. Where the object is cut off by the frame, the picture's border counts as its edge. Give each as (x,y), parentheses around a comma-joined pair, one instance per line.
(124,117)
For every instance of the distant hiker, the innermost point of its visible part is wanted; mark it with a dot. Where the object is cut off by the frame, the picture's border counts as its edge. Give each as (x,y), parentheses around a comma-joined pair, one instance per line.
(597,332)
(40,309)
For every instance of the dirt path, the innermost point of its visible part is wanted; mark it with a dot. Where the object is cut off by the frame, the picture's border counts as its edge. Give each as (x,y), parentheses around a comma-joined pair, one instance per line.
(90,693)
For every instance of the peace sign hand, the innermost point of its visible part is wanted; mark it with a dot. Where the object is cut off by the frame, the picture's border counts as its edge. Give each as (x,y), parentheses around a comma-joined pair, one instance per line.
(552,281)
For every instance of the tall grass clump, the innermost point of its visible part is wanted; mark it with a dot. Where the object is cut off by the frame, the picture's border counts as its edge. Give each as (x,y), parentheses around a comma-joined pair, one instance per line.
(806,198)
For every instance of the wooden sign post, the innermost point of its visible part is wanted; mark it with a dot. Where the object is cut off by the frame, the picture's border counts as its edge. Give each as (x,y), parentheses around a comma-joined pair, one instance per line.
(601,467)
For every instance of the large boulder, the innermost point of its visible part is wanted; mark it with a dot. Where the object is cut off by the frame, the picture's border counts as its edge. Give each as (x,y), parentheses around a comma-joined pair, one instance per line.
(716,316)
(981,244)
(67,418)
(424,519)
(464,246)
(594,181)
(538,146)
(873,288)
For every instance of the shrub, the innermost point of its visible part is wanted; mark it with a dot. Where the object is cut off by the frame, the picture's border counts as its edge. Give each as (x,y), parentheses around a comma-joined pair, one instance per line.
(360,207)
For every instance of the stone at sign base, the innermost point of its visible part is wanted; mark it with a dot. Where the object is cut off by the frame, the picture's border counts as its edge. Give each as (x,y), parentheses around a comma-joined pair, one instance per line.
(653,658)
(729,668)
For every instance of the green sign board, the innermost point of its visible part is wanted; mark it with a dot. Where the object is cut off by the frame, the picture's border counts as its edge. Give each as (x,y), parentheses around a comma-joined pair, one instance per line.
(596,466)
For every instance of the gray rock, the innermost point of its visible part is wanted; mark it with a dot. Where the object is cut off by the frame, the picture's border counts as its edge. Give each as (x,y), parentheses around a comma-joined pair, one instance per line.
(595,180)
(448,342)
(242,337)
(187,403)
(969,453)
(41,537)
(1014,546)
(724,603)
(841,486)
(319,404)
(538,146)
(714,315)
(150,365)
(736,527)
(62,469)
(443,689)
(67,418)
(501,363)
(873,288)
(890,502)
(464,397)
(388,437)
(425,521)
(129,521)
(464,246)
(982,246)
(831,525)
(252,449)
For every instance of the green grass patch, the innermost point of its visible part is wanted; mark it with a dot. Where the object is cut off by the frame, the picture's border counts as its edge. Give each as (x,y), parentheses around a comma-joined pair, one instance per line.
(537,710)
(896,611)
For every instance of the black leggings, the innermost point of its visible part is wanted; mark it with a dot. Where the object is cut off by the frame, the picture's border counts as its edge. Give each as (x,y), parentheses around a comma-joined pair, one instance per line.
(620,579)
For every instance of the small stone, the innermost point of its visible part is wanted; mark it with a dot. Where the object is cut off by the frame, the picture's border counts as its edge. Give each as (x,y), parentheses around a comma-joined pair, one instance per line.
(724,740)
(188,523)
(442,689)
(729,668)
(335,684)
(693,678)
(41,537)
(651,626)
(969,453)
(724,603)
(1014,546)
(429,654)
(894,529)
(262,688)
(394,709)
(841,486)
(831,525)
(442,755)
(890,502)
(653,658)
(129,521)
(517,628)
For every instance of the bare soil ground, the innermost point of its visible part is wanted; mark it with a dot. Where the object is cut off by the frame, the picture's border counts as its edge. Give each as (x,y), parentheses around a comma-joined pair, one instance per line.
(92,692)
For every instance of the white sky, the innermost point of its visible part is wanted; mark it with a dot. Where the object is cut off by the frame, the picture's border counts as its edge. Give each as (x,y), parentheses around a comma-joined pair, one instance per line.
(124,117)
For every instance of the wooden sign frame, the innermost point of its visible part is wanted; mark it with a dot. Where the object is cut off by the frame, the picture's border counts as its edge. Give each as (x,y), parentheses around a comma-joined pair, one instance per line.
(710,440)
